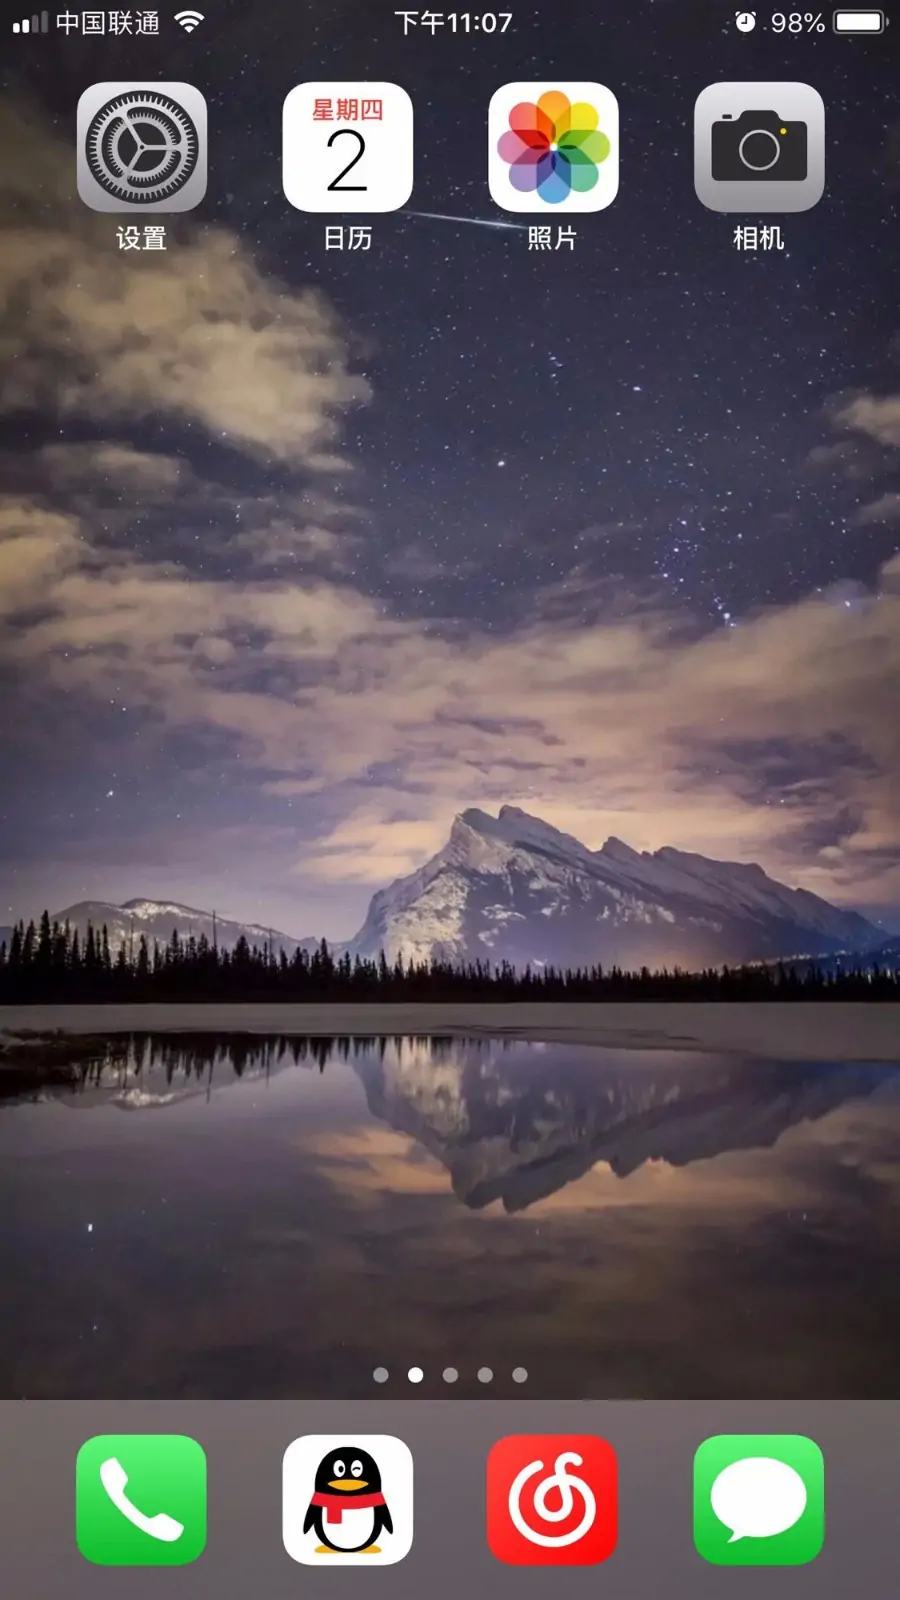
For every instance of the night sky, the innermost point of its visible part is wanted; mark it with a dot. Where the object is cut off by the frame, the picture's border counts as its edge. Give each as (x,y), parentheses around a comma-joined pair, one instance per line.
(302,552)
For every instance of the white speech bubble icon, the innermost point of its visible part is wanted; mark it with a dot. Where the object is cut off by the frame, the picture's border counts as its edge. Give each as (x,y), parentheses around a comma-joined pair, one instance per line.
(758,1497)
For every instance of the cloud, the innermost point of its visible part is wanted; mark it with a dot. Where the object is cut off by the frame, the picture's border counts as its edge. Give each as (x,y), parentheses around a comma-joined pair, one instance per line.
(885,509)
(855,460)
(416,563)
(112,486)
(279,540)
(372,848)
(37,549)
(639,725)
(95,466)
(877,416)
(195,332)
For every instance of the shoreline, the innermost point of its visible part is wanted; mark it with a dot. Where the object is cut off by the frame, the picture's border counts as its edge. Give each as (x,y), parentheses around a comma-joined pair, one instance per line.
(791,1031)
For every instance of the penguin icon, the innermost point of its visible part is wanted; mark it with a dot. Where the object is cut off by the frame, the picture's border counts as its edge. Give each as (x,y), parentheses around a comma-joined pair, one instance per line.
(347,1511)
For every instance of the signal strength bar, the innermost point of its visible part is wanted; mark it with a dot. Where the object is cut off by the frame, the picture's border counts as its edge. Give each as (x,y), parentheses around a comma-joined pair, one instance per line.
(35,24)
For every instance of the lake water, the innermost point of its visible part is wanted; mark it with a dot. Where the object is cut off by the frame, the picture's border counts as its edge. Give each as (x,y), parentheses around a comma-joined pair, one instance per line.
(243,1217)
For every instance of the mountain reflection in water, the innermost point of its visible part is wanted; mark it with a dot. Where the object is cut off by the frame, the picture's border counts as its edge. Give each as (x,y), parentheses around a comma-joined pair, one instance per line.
(286,1221)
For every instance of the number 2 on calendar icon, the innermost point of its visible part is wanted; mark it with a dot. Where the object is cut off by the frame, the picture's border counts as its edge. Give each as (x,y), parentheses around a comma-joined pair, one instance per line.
(348,147)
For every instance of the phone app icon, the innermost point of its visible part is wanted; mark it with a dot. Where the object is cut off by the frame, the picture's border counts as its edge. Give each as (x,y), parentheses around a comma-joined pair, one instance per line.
(347,1500)
(552,1500)
(759,1500)
(553,147)
(759,147)
(141,147)
(140,1500)
(347,147)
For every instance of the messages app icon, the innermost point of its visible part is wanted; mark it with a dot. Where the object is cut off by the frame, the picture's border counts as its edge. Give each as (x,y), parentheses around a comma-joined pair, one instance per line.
(140,1500)
(759,1500)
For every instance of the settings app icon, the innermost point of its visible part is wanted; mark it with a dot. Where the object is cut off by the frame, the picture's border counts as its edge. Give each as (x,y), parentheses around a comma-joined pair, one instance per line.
(142,146)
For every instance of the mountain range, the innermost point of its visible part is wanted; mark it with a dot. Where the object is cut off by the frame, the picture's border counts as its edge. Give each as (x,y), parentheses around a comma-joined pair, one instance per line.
(157,919)
(512,888)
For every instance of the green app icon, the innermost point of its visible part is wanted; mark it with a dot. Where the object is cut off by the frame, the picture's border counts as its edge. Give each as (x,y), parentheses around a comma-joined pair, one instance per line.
(140,1500)
(759,1500)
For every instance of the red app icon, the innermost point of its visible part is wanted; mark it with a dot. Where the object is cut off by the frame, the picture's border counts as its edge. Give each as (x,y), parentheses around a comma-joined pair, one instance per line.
(552,1500)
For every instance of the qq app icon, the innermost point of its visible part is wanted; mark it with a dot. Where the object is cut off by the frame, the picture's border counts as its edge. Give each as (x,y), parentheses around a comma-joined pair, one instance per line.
(347,1500)
(552,1500)
(141,147)
(347,147)
(759,147)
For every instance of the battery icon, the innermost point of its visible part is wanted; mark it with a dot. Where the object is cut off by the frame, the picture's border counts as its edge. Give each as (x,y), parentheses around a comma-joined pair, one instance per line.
(859,22)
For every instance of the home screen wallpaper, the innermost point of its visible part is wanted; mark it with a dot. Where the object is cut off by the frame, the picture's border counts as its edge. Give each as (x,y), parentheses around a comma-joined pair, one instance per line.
(483,585)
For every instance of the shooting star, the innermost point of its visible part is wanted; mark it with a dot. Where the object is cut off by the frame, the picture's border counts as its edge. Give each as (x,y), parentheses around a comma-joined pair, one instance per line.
(475,222)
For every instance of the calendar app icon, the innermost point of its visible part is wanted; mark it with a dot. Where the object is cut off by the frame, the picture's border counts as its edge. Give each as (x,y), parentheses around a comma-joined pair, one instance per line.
(348,147)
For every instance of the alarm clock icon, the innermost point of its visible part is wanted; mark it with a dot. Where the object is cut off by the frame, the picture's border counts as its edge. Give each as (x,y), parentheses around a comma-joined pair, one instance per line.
(746,21)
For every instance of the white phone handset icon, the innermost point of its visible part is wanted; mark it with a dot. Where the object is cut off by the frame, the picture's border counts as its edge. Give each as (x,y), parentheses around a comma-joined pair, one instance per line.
(114,1479)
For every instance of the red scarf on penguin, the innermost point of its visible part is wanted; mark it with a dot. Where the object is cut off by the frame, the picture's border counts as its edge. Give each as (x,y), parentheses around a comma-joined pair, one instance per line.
(336,1504)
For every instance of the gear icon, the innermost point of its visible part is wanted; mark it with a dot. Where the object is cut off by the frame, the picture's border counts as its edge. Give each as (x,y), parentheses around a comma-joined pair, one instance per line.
(142,147)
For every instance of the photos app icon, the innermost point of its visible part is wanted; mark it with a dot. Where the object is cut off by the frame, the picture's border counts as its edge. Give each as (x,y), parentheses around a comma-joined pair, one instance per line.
(553,147)
(552,1500)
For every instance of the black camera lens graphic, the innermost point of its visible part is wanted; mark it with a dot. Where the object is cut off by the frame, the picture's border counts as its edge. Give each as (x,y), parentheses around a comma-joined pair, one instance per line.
(759,150)
(758,146)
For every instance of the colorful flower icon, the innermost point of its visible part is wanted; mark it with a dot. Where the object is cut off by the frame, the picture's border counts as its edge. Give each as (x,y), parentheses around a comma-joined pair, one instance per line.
(553,147)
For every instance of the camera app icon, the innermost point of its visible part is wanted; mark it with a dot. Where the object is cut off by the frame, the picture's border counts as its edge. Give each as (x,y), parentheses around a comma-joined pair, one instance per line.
(759,147)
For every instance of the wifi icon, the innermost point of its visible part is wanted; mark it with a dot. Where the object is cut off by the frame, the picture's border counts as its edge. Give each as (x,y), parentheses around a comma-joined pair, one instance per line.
(189,19)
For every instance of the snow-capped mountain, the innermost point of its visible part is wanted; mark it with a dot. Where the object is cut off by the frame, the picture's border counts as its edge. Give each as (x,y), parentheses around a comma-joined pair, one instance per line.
(158,919)
(513,888)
